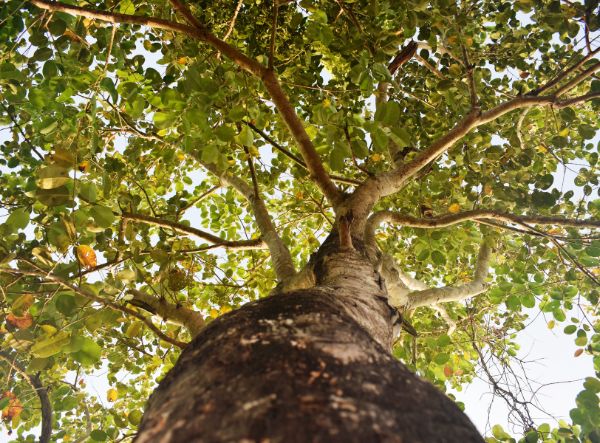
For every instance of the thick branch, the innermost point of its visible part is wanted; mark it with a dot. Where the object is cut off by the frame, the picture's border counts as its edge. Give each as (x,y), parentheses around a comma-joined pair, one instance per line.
(388,183)
(190,319)
(188,230)
(40,390)
(268,77)
(309,154)
(196,31)
(433,296)
(95,298)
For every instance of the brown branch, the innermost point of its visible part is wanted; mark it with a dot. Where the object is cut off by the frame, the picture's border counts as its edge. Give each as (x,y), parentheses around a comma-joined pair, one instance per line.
(95,298)
(313,162)
(40,390)
(403,56)
(188,230)
(196,31)
(471,80)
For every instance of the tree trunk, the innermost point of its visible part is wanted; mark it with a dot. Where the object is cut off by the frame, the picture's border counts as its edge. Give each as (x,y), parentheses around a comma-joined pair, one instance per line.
(312,365)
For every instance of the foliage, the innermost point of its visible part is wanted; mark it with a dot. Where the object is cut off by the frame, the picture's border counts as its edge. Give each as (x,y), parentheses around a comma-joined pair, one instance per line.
(103,124)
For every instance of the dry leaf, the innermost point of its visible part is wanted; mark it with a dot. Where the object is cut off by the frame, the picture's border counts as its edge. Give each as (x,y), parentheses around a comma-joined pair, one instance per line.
(14,407)
(22,322)
(86,256)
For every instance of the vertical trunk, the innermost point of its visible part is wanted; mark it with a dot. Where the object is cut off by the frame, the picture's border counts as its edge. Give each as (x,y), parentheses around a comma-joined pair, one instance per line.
(306,366)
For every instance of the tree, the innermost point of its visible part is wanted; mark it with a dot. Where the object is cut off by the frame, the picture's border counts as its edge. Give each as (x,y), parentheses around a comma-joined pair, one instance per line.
(333,173)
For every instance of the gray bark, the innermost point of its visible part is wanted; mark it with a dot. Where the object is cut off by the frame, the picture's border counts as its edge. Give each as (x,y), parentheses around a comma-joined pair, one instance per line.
(312,365)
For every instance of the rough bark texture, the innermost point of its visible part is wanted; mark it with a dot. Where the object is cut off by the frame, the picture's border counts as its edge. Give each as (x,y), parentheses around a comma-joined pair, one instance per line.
(307,366)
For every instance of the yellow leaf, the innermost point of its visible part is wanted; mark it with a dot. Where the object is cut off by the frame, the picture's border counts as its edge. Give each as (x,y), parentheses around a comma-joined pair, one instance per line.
(214,313)
(180,156)
(48,329)
(225,309)
(542,149)
(564,132)
(112,395)
(551,324)
(134,329)
(454,208)
(86,256)
(376,157)
(84,166)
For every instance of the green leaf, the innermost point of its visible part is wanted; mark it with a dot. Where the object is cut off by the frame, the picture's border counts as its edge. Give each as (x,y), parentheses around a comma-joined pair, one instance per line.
(53,197)
(50,346)
(438,258)
(441,358)
(98,435)
(225,133)
(85,350)
(18,219)
(103,216)
(245,137)
(88,191)
(126,7)
(164,120)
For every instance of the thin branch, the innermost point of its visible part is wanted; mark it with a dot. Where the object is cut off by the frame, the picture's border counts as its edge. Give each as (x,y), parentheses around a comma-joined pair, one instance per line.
(471,80)
(564,73)
(476,215)
(188,230)
(95,298)
(312,159)
(252,173)
(196,31)
(190,319)
(577,80)
(233,19)
(430,67)
(449,321)
(40,390)
(273,33)
(296,159)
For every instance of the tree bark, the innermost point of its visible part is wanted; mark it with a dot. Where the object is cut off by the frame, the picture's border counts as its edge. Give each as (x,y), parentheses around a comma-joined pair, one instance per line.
(312,365)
